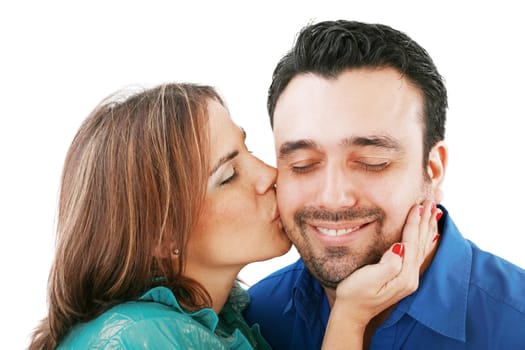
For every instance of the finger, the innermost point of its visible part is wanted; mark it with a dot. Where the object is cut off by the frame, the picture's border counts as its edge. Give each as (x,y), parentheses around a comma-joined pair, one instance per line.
(411,229)
(415,238)
(391,263)
(411,241)
(434,231)
(426,229)
(397,286)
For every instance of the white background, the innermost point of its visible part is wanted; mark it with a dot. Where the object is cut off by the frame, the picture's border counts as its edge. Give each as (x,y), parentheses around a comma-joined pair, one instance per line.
(59,59)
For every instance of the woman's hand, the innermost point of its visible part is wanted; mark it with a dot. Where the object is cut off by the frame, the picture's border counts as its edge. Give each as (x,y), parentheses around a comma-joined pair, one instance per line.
(374,288)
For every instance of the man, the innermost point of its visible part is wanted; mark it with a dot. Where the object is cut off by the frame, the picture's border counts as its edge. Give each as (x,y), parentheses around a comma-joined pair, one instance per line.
(358,115)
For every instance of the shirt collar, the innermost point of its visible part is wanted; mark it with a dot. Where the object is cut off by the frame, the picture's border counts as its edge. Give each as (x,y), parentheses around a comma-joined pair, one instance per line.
(206,316)
(440,302)
(307,296)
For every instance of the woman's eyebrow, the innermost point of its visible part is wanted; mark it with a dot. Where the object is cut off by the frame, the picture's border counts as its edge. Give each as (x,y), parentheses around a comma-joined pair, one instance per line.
(224,159)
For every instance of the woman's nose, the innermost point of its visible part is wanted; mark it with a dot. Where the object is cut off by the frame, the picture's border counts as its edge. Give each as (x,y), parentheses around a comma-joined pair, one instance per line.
(265,177)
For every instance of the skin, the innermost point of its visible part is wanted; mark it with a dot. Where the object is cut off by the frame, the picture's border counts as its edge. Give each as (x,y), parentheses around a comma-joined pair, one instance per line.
(349,158)
(240,220)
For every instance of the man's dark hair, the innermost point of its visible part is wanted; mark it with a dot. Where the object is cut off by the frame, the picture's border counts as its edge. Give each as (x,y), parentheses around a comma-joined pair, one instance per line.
(328,48)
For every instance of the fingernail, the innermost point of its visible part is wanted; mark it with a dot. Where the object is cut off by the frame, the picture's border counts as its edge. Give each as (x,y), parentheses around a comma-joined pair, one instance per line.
(435,237)
(439,215)
(398,249)
(433,206)
(421,210)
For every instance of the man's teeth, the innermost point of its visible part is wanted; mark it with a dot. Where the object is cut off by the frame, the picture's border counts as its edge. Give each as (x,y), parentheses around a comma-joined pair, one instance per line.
(333,232)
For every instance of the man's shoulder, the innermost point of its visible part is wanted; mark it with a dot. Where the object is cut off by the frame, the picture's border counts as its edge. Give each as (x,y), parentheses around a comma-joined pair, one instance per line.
(492,282)
(496,301)
(498,281)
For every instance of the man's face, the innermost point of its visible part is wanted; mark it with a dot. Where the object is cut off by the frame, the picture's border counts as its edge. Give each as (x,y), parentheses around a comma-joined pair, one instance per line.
(349,155)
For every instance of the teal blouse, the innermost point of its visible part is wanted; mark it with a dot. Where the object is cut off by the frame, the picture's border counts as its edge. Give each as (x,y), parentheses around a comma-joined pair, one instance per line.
(157,321)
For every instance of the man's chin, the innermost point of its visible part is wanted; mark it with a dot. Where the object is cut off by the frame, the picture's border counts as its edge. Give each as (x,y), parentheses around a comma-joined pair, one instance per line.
(329,279)
(330,274)
(329,284)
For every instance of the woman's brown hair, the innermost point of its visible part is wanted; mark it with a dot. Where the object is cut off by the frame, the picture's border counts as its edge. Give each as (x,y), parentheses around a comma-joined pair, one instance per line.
(133,183)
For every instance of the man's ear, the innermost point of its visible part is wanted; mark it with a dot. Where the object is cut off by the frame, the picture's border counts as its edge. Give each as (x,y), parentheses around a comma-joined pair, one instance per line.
(437,165)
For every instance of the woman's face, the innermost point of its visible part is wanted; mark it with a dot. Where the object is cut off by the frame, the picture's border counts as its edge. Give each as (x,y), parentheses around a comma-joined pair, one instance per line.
(240,221)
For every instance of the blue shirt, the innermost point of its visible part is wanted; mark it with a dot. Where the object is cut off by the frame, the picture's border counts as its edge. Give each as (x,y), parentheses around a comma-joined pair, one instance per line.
(467,299)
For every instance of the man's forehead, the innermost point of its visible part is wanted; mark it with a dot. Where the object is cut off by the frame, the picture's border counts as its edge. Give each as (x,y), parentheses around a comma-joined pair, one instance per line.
(367,92)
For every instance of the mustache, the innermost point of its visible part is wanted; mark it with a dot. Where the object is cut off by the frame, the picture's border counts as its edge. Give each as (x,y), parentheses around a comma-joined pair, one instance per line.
(314,213)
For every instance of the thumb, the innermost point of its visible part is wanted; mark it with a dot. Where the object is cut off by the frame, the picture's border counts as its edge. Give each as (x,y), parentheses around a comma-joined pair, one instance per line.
(391,263)
(377,276)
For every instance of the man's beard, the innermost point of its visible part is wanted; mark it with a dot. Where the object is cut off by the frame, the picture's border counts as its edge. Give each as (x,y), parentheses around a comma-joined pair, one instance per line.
(337,263)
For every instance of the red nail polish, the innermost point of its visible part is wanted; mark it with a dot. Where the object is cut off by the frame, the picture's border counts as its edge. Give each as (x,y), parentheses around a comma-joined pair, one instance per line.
(421,210)
(439,215)
(435,237)
(398,249)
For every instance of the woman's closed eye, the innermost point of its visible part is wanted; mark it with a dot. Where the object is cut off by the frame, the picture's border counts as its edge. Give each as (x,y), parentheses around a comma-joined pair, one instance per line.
(227,175)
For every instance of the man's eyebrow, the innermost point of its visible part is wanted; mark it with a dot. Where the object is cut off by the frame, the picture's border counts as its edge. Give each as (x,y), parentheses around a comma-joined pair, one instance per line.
(379,141)
(224,159)
(289,147)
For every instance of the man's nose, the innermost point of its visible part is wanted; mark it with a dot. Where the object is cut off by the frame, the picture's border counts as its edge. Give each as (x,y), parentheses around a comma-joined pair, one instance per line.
(336,189)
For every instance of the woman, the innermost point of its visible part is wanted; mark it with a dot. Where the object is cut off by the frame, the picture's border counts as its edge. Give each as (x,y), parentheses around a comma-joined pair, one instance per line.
(161,206)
